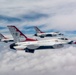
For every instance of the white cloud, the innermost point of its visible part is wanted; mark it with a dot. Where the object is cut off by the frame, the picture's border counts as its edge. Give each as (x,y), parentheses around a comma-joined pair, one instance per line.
(55,62)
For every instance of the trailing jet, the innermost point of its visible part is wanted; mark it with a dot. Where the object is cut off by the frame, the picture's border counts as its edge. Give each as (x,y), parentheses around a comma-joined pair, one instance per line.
(5,39)
(42,34)
(22,42)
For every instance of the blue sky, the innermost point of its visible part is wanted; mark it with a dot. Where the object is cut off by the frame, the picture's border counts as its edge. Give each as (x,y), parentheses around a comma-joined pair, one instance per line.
(51,15)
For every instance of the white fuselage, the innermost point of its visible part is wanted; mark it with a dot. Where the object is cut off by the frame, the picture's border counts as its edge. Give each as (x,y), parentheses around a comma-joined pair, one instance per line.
(49,34)
(36,44)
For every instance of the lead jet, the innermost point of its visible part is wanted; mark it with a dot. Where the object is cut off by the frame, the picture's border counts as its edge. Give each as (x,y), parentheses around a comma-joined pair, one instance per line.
(22,42)
(42,34)
(5,39)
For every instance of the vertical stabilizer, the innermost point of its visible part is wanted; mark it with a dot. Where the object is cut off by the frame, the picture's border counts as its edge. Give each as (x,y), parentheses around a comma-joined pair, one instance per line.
(18,35)
(2,36)
(38,30)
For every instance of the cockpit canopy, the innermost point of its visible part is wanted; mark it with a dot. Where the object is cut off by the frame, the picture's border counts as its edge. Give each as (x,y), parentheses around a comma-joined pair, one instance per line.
(63,38)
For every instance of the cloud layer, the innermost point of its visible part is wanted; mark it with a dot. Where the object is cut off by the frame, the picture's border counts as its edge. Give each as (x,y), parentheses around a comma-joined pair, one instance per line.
(55,62)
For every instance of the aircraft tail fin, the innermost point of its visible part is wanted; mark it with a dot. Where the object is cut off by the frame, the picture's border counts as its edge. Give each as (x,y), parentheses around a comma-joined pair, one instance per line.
(38,30)
(18,35)
(2,36)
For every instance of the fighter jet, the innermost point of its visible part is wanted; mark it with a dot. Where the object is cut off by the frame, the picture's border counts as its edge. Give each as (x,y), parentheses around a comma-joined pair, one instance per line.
(5,39)
(42,34)
(22,42)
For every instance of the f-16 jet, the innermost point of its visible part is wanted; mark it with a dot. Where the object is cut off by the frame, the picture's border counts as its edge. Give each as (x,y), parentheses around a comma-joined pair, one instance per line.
(5,39)
(42,34)
(22,42)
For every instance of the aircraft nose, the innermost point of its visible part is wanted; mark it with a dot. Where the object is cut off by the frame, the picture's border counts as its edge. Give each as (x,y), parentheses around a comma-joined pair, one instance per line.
(12,46)
(74,42)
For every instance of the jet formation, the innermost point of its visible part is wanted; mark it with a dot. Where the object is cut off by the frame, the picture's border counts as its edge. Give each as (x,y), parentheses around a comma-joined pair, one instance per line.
(29,45)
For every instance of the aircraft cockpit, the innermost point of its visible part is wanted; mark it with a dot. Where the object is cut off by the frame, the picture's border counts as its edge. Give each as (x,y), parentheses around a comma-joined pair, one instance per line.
(63,38)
